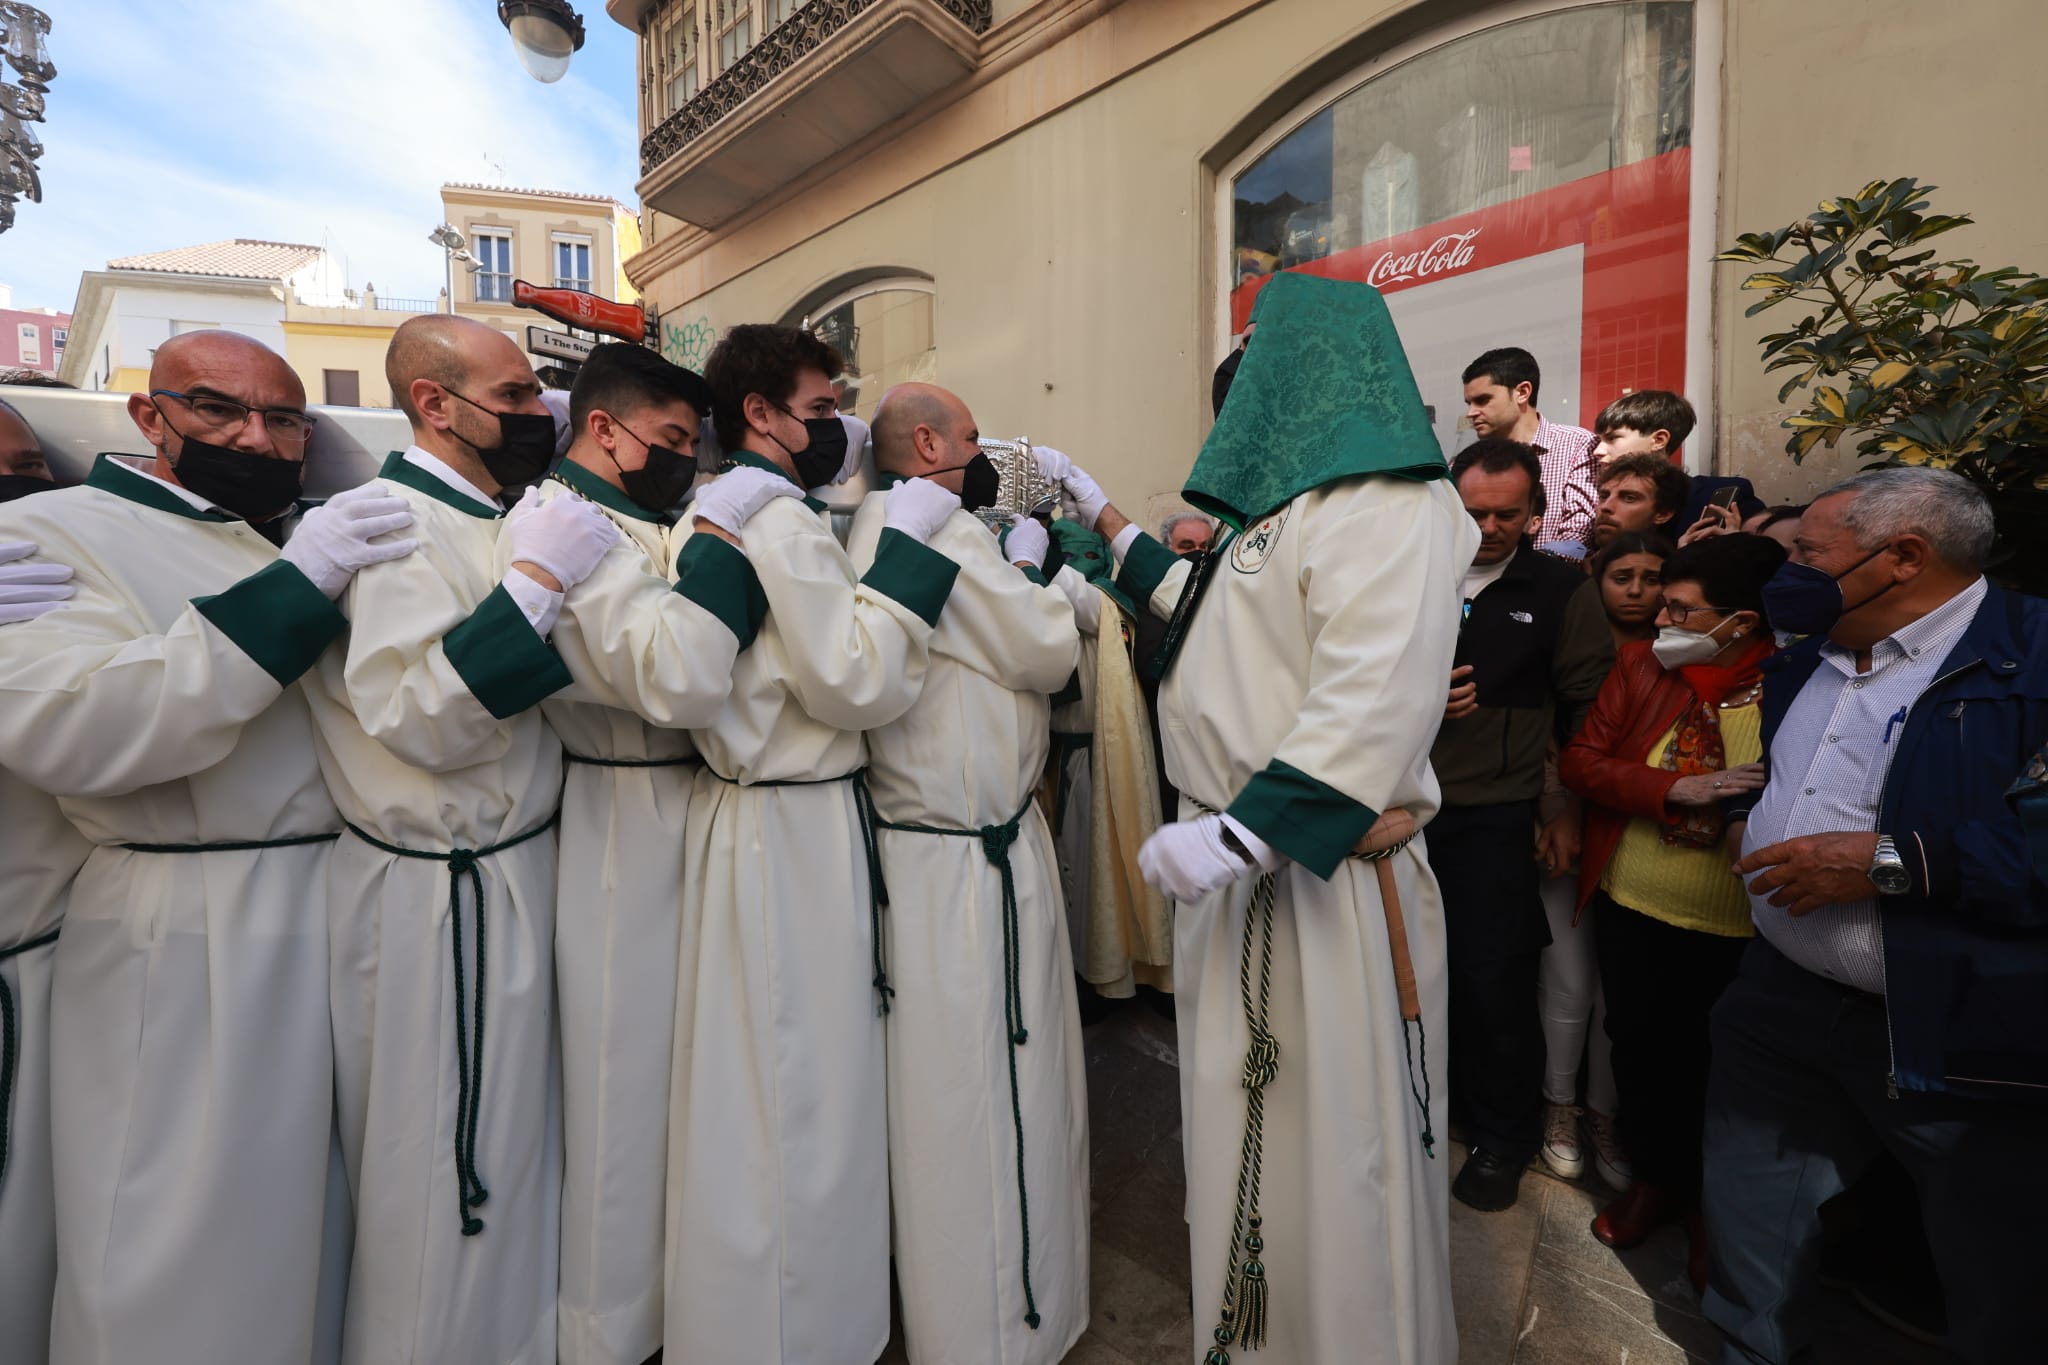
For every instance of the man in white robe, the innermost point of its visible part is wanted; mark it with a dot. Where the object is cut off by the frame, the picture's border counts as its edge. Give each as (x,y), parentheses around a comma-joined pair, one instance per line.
(189,1058)
(650,663)
(988,1099)
(441,894)
(1299,709)
(778,1178)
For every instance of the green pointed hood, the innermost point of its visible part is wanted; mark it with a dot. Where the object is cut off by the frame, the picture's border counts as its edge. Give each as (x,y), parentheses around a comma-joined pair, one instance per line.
(1323,393)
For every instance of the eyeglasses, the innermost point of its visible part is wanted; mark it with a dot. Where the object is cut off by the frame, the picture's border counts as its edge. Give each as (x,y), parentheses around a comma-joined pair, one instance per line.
(219,415)
(1679,612)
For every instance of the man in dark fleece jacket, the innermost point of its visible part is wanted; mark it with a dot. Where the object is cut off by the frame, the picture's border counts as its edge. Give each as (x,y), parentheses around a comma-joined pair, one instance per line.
(1532,651)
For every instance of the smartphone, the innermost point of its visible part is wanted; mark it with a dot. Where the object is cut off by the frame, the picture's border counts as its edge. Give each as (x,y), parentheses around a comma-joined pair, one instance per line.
(1724,498)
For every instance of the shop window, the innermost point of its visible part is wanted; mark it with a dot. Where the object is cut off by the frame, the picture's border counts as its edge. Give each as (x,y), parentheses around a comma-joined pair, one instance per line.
(1528,184)
(884,329)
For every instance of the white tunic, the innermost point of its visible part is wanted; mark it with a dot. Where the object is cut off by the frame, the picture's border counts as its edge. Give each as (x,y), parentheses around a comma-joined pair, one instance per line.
(40,852)
(967,756)
(431,741)
(778,1188)
(190,1076)
(649,662)
(1305,700)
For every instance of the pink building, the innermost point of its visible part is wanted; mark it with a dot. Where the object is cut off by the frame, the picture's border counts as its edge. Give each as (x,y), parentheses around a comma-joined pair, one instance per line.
(32,338)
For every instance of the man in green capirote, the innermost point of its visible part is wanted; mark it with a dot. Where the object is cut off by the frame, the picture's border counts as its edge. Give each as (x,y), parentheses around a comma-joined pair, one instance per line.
(1303,688)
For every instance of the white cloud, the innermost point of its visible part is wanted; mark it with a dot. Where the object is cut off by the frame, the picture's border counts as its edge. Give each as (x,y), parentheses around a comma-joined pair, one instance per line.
(303,120)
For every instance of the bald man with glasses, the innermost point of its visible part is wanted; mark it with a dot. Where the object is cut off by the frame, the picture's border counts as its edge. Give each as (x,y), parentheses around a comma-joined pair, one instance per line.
(190,1064)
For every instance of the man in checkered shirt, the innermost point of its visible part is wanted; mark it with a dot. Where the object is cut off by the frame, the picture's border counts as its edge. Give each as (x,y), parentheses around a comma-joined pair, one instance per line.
(1500,400)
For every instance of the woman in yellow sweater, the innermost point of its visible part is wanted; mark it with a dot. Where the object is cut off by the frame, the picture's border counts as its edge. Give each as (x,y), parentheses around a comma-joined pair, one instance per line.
(1674,731)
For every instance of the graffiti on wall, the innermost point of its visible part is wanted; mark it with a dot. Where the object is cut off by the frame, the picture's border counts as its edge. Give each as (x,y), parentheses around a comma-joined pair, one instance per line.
(688,343)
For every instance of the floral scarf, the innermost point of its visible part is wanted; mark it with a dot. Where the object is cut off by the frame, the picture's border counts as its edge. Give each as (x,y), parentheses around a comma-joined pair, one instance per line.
(1695,745)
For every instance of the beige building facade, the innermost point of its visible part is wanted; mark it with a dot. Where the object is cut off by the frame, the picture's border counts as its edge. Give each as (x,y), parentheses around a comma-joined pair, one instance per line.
(1064,208)
(548,238)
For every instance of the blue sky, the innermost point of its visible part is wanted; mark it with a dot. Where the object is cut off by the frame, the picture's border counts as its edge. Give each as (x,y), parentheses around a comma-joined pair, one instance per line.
(330,121)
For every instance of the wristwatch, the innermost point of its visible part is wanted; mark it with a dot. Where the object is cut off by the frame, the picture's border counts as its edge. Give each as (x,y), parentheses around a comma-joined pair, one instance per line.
(1888,870)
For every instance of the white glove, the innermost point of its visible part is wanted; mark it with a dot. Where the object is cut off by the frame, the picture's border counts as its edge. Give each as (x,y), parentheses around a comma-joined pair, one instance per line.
(566,536)
(857,437)
(333,541)
(730,500)
(1027,543)
(1187,859)
(556,401)
(918,508)
(1080,499)
(1053,465)
(29,590)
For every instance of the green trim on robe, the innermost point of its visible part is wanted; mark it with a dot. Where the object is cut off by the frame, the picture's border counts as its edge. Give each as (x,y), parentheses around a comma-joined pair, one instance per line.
(502,659)
(1310,821)
(753,461)
(1146,565)
(276,617)
(577,479)
(109,475)
(721,579)
(1035,574)
(911,573)
(1324,392)
(400,470)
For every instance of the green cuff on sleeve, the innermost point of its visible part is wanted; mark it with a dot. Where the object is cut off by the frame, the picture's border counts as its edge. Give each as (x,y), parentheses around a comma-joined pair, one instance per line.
(1037,576)
(1144,568)
(913,574)
(276,617)
(718,577)
(502,659)
(1310,821)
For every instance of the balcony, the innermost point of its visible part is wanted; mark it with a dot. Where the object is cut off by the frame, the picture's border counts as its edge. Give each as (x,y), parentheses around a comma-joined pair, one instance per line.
(818,83)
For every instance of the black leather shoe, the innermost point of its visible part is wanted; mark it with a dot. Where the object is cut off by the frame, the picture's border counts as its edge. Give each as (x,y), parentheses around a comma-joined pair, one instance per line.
(1488,1182)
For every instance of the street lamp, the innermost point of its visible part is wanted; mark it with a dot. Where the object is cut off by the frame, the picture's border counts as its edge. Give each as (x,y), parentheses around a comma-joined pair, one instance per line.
(545,34)
(22,30)
(454,247)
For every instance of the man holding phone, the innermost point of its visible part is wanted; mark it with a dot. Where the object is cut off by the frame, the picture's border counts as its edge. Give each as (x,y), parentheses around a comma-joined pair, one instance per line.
(1533,648)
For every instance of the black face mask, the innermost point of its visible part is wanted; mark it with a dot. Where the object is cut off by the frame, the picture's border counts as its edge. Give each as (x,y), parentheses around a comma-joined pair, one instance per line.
(253,487)
(980,486)
(14,486)
(525,449)
(1219,387)
(661,480)
(818,463)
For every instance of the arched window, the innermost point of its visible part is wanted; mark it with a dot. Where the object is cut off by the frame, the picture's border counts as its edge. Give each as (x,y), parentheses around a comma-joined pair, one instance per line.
(1528,183)
(883,326)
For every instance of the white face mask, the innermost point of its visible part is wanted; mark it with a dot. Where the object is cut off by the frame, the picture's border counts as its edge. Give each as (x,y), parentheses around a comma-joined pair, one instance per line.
(1677,647)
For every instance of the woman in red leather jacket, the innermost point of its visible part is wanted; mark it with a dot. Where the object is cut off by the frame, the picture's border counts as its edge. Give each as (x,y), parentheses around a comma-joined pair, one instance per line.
(1675,730)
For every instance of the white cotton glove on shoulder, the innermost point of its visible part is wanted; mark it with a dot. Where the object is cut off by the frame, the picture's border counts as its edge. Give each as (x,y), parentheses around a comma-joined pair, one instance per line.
(1188,859)
(556,401)
(918,508)
(29,590)
(567,536)
(1027,542)
(857,437)
(339,537)
(730,500)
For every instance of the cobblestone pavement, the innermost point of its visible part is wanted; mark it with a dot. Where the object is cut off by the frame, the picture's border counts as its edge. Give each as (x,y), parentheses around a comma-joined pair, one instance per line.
(1531,1285)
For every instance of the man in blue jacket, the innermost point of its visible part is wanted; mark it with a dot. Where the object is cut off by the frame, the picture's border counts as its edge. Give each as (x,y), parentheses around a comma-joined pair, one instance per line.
(1897,994)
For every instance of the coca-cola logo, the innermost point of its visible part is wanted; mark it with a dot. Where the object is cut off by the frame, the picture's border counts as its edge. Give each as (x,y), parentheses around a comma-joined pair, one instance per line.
(1447,253)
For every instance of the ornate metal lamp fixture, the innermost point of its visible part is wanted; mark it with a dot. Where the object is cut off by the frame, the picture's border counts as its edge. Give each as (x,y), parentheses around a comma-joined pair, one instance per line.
(23,30)
(545,34)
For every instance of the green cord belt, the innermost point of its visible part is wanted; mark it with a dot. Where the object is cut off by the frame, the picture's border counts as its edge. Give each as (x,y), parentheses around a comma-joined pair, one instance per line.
(996,841)
(878,891)
(9,1044)
(469,1066)
(684,761)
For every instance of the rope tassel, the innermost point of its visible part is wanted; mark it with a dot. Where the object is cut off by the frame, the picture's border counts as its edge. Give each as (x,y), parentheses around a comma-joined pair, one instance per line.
(1242,1319)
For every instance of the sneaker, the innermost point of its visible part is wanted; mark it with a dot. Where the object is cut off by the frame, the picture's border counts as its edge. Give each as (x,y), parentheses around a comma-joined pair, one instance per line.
(1561,1151)
(1608,1158)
